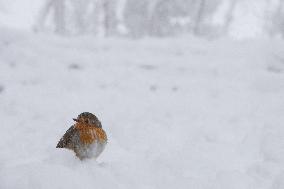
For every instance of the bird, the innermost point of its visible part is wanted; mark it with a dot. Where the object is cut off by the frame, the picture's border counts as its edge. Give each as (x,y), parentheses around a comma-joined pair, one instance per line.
(86,137)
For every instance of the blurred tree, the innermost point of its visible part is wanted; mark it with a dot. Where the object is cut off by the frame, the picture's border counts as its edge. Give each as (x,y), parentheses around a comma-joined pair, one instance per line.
(110,17)
(58,7)
(279,17)
(136,17)
(79,16)
(199,16)
(80,8)
(229,15)
(158,18)
(275,18)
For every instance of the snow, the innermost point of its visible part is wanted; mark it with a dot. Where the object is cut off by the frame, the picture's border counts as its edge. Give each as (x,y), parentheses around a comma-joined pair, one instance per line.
(179,112)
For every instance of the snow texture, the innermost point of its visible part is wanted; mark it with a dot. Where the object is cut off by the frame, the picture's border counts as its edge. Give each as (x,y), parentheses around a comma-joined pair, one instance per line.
(179,112)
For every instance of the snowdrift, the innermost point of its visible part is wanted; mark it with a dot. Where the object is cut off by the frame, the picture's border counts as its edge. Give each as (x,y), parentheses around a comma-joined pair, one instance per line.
(179,112)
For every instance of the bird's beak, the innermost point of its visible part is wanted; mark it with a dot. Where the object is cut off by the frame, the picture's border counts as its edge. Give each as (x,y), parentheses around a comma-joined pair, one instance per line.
(75,119)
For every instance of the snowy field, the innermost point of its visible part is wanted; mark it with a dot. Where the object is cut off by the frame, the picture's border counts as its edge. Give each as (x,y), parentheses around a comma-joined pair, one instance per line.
(179,113)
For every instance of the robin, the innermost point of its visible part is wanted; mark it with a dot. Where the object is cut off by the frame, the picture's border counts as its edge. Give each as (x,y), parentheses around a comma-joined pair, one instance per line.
(86,137)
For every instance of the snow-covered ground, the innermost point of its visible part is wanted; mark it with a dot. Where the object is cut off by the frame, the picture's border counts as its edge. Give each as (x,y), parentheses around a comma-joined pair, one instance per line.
(179,113)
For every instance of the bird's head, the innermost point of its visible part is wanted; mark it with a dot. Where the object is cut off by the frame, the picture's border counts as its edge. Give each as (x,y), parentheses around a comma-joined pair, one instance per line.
(89,119)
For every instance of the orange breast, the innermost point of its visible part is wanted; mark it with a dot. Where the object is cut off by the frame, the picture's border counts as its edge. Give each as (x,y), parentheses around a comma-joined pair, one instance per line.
(89,134)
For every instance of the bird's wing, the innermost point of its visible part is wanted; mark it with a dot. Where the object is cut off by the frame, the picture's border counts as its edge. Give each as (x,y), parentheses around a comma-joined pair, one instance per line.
(66,140)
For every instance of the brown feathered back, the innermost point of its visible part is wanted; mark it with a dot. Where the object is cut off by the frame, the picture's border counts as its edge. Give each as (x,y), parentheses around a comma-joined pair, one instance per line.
(66,140)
